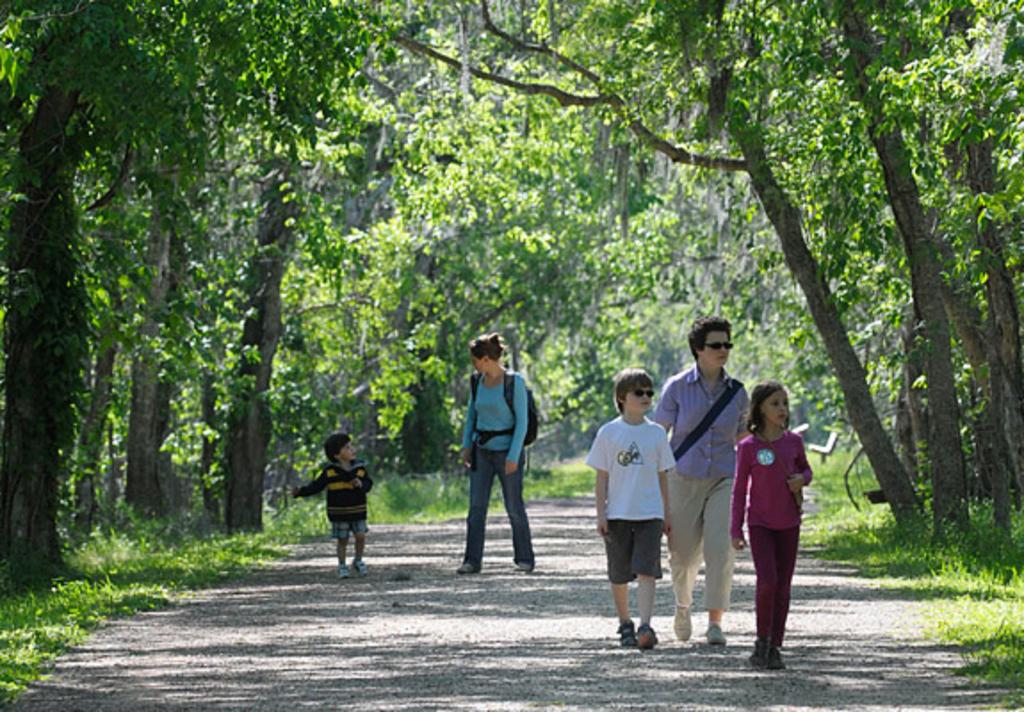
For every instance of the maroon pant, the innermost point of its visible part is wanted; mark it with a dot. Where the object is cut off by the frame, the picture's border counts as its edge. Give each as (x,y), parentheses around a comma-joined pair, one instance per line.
(774,554)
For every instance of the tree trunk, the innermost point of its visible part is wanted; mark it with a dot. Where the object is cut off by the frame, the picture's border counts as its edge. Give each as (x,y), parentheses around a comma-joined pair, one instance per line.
(904,427)
(1004,315)
(211,497)
(147,420)
(993,450)
(250,428)
(45,332)
(849,371)
(916,407)
(945,451)
(91,439)
(944,448)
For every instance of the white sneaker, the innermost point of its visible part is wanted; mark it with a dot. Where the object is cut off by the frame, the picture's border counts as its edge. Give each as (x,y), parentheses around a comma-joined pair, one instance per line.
(342,570)
(359,566)
(682,625)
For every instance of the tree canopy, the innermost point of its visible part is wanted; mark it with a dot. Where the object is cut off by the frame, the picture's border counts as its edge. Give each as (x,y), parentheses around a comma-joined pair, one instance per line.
(232,227)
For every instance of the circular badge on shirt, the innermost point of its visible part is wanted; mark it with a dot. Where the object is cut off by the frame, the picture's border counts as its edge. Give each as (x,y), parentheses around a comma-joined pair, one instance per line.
(766,456)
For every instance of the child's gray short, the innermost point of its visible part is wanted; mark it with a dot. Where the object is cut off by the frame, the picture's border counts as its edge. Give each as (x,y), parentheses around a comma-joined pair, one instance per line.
(633,548)
(340,530)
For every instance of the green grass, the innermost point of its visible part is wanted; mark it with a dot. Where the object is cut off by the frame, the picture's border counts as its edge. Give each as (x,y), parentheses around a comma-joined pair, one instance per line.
(972,581)
(147,563)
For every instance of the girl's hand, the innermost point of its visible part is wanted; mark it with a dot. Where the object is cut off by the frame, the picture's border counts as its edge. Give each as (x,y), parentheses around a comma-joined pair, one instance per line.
(739,544)
(511,466)
(467,457)
(795,482)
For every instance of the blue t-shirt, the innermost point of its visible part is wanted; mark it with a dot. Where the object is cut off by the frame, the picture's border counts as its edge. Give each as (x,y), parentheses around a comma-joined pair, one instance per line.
(491,412)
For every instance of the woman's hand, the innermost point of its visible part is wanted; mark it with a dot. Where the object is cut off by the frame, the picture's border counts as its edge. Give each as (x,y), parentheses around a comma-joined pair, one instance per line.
(739,544)
(602,525)
(796,483)
(511,466)
(467,456)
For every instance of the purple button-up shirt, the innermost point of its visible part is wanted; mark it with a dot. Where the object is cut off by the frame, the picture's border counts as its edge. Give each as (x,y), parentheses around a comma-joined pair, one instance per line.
(684,402)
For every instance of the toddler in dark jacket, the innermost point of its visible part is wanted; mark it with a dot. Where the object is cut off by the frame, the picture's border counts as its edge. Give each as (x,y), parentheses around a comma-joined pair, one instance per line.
(347,483)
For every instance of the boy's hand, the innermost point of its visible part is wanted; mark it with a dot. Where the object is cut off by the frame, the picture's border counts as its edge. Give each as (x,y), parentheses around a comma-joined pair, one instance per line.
(666,525)
(795,482)
(295,491)
(467,457)
(739,544)
(511,466)
(602,525)
(357,483)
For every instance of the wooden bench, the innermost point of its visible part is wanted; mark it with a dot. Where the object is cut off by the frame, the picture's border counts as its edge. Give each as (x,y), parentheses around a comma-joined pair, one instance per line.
(823,450)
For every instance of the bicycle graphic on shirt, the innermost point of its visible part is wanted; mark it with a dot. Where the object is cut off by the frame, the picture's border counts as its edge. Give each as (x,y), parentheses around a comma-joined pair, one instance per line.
(631,456)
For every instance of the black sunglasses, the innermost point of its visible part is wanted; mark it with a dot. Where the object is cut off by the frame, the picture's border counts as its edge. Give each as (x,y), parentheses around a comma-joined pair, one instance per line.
(640,393)
(719,345)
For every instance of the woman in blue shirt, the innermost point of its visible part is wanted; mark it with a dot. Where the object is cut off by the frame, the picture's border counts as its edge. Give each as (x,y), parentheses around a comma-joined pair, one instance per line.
(492,444)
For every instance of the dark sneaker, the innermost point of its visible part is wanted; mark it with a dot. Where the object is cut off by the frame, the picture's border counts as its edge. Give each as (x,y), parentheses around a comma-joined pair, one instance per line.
(775,659)
(645,637)
(627,635)
(524,567)
(759,659)
(467,568)
(715,635)
(359,566)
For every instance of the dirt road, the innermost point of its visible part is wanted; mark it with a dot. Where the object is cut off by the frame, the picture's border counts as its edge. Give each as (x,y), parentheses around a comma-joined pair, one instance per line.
(414,636)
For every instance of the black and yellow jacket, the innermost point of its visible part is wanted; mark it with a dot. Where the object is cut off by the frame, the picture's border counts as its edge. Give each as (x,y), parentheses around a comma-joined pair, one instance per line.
(345,501)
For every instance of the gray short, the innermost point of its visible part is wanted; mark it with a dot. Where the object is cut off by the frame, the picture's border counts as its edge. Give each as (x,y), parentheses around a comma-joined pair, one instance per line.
(340,530)
(633,548)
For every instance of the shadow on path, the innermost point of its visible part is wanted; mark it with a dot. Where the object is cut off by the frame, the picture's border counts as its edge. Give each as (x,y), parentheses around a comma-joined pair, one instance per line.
(414,636)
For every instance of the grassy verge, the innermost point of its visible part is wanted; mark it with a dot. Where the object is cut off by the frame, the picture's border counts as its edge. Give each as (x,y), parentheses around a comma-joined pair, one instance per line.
(145,564)
(973,581)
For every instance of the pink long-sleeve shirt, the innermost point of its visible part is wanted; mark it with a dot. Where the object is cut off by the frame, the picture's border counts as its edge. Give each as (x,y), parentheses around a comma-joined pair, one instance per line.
(762,469)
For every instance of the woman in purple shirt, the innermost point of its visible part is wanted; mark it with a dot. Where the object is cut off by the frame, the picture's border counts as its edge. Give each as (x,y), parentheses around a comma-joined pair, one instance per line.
(772,467)
(700,488)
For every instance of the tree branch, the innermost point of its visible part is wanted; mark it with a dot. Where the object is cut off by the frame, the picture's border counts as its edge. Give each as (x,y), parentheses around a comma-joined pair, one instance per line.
(673,152)
(122,174)
(562,97)
(531,47)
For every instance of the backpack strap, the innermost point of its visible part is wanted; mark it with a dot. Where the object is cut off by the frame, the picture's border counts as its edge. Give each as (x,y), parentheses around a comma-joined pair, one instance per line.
(723,400)
(510,395)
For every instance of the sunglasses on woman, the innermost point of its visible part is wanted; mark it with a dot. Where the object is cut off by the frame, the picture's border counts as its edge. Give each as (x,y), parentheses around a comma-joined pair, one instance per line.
(640,393)
(716,345)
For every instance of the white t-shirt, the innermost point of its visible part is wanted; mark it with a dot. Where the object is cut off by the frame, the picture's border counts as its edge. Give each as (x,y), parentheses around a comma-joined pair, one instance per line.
(632,455)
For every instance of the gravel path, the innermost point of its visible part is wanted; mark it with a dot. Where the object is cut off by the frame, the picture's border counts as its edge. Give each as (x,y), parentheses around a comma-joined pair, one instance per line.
(413,636)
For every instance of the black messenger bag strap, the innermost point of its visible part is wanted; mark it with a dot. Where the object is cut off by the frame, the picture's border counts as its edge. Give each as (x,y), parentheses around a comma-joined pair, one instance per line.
(723,400)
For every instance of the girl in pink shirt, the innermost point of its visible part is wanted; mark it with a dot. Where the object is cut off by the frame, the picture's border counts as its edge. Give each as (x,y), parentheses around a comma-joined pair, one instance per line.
(772,468)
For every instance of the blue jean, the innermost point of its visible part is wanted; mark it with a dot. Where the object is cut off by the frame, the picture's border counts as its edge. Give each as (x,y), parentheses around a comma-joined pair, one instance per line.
(491,463)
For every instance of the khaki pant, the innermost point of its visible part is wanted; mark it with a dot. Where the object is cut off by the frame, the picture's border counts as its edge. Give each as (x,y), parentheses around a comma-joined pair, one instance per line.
(700,511)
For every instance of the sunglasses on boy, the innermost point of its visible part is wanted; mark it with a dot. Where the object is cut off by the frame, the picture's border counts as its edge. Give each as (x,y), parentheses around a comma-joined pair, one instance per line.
(716,345)
(641,392)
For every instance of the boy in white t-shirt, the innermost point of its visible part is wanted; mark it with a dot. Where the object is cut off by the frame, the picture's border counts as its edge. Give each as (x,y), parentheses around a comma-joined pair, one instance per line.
(632,458)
